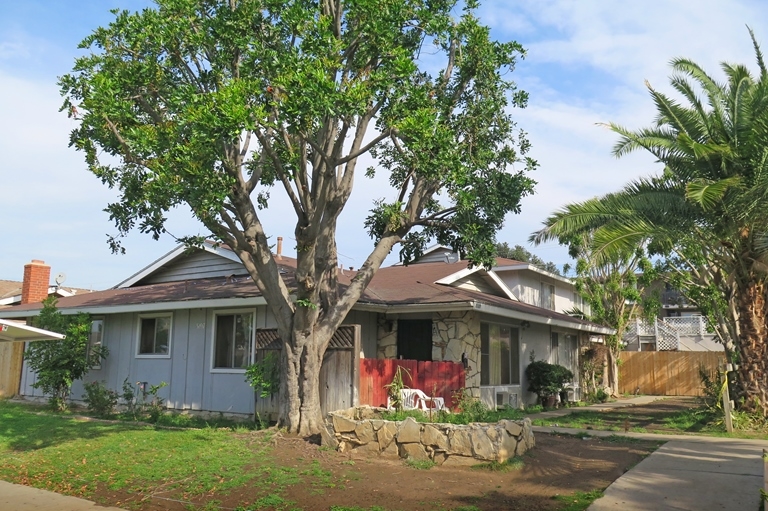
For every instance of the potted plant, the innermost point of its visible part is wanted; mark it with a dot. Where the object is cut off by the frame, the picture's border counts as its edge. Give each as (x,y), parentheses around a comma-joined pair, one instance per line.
(547,380)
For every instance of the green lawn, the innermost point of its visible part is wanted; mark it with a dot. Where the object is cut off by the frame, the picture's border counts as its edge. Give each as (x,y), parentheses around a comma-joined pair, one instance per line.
(76,457)
(697,420)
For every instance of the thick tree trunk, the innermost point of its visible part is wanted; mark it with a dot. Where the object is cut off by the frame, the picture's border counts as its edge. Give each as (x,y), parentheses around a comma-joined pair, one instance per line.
(300,412)
(753,340)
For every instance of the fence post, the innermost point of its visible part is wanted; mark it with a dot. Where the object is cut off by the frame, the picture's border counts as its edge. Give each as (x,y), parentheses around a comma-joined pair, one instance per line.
(764,491)
(727,403)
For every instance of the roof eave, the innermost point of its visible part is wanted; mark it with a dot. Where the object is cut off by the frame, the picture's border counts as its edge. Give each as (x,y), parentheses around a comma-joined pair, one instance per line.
(535,318)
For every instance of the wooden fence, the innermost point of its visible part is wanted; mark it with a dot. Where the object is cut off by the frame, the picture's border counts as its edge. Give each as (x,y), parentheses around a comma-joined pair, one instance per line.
(11,357)
(438,379)
(665,373)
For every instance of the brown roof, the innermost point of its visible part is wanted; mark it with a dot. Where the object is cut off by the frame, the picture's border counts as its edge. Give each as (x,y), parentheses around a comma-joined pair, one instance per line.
(393,285)
(9,288)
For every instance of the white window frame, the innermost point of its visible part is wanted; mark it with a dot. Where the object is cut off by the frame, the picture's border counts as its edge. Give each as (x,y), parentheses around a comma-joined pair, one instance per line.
(229,312)
(520,370)
(97,365)
(142,317)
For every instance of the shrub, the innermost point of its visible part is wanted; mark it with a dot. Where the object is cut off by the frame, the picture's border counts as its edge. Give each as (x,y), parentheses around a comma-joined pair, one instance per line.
(101,401)
(546,379)
(59,363)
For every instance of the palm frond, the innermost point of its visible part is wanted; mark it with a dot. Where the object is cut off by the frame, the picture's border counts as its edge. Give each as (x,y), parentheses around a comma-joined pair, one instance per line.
(708,194)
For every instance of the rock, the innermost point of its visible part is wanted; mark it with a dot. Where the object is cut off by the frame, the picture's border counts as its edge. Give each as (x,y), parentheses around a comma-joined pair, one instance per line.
(433,436)
(386,434)
(409,432)
(482,447)
(439,457)
(459,461)
(460,442)
(521,448)
(377,424)
(327,439)
(413,451)
(513,428)
(391,451)
(507,448)
(365,433)
(343,425)
(367,449)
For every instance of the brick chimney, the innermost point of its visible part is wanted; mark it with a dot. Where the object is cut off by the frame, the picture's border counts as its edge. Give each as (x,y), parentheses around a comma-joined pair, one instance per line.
(279,248)
(37,276)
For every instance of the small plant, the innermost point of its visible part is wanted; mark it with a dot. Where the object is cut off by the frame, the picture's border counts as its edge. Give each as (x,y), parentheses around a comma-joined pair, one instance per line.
(100,400)
(713,385)
(264,375)
(395,386)
(143,403)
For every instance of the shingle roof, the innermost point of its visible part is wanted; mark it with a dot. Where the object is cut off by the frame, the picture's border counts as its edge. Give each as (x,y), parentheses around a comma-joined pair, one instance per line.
(393,285)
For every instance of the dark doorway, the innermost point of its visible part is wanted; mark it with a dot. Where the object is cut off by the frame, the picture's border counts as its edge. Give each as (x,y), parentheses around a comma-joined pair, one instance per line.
(414,339)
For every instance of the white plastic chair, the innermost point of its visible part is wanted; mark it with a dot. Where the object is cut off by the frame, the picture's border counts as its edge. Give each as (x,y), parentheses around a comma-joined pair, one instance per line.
(423,401)
(415,399)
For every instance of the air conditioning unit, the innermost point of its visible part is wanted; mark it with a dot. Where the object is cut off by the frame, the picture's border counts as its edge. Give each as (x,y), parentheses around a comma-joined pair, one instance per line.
(507,398)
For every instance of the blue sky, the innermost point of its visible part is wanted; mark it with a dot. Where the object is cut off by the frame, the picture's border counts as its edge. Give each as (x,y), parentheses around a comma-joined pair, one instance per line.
(587,62)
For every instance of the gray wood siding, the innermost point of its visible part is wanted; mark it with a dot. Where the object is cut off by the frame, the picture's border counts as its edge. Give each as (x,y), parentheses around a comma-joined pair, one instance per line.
(192,384)
(198,265)
(368,330)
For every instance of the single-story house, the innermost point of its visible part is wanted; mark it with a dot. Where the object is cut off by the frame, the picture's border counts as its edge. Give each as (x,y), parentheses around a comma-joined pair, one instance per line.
(192,319)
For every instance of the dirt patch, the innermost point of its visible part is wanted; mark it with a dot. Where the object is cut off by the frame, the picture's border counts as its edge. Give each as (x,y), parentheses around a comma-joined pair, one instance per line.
(559,465)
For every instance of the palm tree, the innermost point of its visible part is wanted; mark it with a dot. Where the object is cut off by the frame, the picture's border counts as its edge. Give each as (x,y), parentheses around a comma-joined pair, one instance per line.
(708,210)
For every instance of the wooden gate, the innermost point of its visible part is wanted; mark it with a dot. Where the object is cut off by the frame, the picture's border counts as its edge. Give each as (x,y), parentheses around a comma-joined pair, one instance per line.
(339,376)
(665,373)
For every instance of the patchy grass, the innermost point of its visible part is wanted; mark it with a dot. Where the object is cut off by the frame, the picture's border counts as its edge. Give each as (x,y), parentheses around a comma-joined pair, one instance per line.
(420,464)
(579,501)
(694,420)
(516,463)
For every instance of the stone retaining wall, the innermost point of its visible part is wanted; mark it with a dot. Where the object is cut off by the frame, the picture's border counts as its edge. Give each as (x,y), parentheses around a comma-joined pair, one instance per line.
(357,430)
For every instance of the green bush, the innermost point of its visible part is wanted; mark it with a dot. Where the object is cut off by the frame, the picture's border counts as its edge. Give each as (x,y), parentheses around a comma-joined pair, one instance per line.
(100,400)
(546,379)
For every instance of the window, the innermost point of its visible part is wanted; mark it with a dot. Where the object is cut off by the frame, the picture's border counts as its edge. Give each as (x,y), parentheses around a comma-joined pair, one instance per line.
(155,335)
(564,349)
(94,340)
(233,338)
(499,355)
(547,296)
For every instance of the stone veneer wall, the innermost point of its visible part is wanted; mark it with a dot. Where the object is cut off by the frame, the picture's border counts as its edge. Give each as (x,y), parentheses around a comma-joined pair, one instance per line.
(387,337)
(454,333)
(356,430)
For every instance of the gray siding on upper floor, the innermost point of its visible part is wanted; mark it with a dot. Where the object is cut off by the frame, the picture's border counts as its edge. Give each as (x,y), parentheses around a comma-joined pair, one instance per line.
(198,265)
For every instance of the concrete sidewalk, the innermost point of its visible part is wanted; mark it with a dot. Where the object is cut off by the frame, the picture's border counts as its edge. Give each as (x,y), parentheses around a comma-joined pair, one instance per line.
(699,473)
(687,473)
(16,497)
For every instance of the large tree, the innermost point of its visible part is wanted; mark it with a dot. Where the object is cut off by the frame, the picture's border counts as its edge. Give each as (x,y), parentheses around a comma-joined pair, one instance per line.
(216,104)
(708,210)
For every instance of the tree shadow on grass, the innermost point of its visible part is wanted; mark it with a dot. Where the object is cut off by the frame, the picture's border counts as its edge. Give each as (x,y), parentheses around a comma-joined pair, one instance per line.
(26,428)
